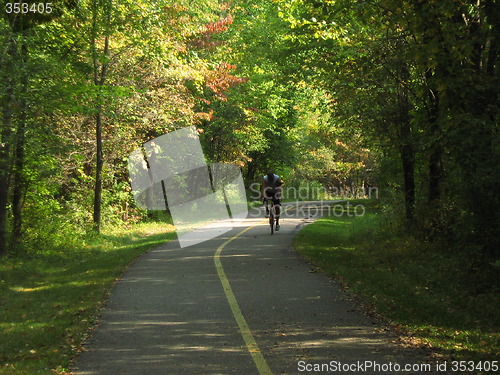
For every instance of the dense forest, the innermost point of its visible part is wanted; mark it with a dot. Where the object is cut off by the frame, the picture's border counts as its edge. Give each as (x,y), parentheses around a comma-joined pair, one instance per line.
(402,95)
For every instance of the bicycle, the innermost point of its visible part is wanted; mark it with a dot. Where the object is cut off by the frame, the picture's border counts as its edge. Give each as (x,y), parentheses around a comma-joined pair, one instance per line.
(272,214)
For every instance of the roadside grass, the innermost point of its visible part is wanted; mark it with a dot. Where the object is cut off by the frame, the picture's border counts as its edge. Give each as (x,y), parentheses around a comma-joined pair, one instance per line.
(50,300)
(423,289)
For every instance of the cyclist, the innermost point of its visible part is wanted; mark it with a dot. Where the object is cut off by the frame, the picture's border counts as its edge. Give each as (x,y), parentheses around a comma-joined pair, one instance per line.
(271,189)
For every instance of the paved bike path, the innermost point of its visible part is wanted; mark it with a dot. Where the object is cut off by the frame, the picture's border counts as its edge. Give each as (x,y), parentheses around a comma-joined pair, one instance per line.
(169,314)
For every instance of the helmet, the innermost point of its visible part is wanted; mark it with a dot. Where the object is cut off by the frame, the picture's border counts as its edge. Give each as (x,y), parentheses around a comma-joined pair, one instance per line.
(270,177)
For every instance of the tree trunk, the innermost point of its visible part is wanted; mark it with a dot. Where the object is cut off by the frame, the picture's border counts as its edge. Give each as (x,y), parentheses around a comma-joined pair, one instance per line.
(406,149)
(18,172)
(4,179)
(5,171)
(6,143)
(435,172)
(435,158)
(100,74)
(19,183)
(98,173)
(408,164)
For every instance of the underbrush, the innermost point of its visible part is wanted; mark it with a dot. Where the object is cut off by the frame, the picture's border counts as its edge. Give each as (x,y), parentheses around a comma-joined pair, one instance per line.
(425,289)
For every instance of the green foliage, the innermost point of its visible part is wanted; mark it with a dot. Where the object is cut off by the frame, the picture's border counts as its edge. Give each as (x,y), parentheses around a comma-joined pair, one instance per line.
(415,285)
(398,94)
(321,91)
(325,91)
(50,300)
(419,80)
(134,81)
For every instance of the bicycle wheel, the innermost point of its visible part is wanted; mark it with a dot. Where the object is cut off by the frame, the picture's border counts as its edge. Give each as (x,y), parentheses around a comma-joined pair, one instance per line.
(271,217)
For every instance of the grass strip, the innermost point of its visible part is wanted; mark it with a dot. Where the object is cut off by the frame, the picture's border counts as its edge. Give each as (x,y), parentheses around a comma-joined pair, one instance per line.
(423,289)
(49,301)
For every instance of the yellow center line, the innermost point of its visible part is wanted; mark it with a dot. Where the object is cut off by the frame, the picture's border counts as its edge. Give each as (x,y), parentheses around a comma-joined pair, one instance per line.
(245,331)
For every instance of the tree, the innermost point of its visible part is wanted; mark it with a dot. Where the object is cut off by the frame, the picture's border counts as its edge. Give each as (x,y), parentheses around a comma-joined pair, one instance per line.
(100,63)
(16,31)
(422,78)
(117,65)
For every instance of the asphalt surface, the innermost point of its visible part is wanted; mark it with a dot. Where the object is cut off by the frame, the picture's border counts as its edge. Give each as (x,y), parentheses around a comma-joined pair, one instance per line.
(170,314)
